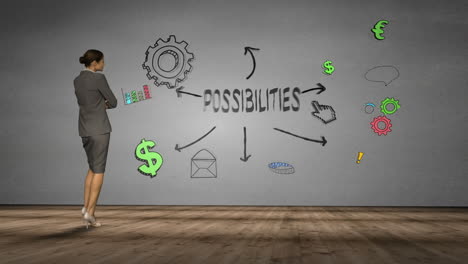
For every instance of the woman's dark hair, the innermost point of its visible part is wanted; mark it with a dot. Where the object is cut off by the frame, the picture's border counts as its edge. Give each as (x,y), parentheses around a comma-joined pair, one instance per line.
(90,56)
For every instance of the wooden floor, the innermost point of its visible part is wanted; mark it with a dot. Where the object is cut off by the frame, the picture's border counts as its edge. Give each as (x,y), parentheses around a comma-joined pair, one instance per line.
(234,234)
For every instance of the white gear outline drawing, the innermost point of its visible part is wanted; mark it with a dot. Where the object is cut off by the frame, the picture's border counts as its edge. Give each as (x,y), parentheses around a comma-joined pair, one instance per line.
(182,57)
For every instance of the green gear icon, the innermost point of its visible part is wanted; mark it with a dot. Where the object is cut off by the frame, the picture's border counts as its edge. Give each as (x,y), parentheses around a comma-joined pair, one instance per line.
(384,103)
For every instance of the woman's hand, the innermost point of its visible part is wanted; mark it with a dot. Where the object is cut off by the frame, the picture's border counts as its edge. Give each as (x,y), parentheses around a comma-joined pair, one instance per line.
(107,104)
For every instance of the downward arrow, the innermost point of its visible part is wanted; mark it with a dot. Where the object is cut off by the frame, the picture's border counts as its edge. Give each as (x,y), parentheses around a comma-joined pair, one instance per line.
(245,158)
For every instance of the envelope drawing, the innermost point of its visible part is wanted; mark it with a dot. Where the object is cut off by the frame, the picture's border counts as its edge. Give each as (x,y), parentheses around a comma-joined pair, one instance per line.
(203,165)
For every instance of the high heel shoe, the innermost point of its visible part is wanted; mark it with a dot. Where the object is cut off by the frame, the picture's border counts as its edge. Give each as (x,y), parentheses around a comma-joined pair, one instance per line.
(90,220)
(83,211)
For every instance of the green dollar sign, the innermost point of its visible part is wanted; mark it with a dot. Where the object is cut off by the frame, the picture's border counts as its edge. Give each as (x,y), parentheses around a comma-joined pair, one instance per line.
(153,159)
(329,69)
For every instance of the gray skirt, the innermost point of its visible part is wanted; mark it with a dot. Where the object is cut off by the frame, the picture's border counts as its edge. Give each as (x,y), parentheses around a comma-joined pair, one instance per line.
(96,148)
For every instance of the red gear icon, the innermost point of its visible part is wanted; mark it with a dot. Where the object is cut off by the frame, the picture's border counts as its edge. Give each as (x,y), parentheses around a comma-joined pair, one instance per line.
(375,125)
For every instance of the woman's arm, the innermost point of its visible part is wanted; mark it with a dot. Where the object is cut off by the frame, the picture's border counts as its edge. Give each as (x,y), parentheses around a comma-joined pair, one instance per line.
(106,92)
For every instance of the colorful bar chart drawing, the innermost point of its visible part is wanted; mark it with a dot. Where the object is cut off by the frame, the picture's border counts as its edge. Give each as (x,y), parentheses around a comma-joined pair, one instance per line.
(136,96)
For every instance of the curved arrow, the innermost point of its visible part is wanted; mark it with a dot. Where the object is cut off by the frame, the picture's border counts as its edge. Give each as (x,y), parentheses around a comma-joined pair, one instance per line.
(321,89)
(249,49)
(180,92)
(245,158)
(323,141)
(177,145)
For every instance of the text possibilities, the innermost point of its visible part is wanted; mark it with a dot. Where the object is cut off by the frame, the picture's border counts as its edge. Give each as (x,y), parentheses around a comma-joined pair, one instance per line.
(250,100)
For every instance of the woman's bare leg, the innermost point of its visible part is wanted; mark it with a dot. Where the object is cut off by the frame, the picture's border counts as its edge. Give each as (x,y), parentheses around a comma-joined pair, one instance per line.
(87,189)
(96,185)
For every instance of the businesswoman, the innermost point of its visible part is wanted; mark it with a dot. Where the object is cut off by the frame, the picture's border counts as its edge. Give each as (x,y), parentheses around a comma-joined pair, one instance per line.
(94,97)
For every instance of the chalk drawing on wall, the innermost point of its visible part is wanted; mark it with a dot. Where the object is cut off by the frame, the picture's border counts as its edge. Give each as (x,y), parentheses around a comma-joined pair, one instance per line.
(152,159)
(378,29)
(378,129)
(245,157)
(323,112)
(203,165)
(180,92)
(384,73)
(323,141)
(320,89)
(328,67)
(281,168)
(368,108)
(249,50)
(188,145)
(136,96)
(359,157)
(389,101)
(168,62)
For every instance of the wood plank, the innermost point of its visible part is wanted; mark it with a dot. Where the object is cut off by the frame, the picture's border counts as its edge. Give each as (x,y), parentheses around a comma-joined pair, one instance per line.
(234,234)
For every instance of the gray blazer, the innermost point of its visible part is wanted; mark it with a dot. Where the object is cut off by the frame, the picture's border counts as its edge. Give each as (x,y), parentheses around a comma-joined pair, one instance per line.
(91,90)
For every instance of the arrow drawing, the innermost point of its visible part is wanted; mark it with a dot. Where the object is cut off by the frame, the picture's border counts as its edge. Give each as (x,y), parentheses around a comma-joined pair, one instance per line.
(323,141)
(245,158)
(321,89)
(179,149)
(249,49)
(180,92)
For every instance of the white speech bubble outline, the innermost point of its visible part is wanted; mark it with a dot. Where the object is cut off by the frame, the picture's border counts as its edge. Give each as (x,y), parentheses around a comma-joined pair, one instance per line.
(382,66)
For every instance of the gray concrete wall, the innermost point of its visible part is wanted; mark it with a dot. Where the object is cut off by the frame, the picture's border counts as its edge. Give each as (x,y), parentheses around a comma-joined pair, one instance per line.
(422,161)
